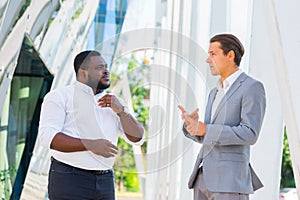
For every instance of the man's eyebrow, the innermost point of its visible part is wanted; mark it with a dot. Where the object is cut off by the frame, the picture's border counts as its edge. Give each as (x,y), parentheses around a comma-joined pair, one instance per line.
(211,51)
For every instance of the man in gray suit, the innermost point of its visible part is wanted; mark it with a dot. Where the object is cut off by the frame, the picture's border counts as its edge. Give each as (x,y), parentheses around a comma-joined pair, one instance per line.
(233,119)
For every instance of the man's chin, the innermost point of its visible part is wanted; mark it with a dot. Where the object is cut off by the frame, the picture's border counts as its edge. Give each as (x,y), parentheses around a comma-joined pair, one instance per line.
(102,86)
(214,73)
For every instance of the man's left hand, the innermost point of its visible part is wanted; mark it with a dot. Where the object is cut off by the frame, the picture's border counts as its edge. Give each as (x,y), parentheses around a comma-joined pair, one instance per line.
(111,101)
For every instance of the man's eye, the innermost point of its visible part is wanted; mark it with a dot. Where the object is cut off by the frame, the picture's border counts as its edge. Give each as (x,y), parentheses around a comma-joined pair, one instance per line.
(101,67)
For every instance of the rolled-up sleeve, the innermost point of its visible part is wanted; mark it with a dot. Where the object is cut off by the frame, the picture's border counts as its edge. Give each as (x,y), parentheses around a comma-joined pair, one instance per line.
(52,118)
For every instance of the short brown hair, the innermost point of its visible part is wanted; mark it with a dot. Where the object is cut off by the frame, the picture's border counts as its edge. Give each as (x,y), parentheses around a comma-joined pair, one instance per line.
(230,42)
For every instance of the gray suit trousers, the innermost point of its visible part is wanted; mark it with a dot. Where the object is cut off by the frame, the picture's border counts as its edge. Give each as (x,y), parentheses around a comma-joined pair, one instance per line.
(202,193)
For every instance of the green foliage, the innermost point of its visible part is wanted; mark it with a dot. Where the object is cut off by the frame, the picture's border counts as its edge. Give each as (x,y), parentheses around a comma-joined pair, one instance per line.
(133,63)
(287,175)
(23,9)
(131,181)
(53,16)
(114,79)
(139,75)
(125,169)
(140,109)
(5,181)
(125,161)
(7,174)
(77,13)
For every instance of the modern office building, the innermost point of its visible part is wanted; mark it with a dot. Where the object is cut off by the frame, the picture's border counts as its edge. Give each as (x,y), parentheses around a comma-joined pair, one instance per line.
(40,38)
(38,42)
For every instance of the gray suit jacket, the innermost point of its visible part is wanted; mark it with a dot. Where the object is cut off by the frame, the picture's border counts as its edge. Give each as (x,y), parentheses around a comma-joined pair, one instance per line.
(235,126)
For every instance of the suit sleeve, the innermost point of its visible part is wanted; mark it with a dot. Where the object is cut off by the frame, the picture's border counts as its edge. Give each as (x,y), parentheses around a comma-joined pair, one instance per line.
(195,138)
(247,131)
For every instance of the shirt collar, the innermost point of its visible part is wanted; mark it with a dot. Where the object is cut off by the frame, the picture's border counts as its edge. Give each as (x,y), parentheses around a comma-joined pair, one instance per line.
(229,80)
(84,87)
(89,90)
(100,95)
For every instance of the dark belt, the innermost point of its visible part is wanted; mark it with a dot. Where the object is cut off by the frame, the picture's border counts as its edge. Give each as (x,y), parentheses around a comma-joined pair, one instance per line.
(96,172)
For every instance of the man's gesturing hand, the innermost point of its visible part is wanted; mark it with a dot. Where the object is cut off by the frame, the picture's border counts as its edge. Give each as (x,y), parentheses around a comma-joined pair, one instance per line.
(111,101)
(194,115)
(192,125)
(101,147)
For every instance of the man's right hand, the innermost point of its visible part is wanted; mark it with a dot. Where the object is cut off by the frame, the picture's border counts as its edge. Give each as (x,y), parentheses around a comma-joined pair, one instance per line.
(64,143)
(101,147)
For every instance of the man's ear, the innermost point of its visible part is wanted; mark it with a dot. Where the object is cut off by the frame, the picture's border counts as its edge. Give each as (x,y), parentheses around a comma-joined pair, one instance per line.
(231,55)
(81,75)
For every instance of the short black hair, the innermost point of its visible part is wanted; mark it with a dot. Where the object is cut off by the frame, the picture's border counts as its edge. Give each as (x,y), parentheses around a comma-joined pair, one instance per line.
(82,58)
(230,42)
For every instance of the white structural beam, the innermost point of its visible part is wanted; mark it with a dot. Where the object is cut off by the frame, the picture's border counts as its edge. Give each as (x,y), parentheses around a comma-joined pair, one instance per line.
(10,13)
(177,77)
(266,153)
(219,18)
(69,34)
(3,4)
(287,77)
(24,25)
(283,24)
(10,48)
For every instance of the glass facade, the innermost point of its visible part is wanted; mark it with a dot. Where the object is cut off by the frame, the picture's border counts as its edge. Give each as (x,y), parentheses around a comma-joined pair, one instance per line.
(109,19)
(107,24)
(30,82)
(20,117)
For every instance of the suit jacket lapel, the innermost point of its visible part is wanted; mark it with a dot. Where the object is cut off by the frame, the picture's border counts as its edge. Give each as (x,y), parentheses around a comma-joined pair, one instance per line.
(209,106)
(237,83)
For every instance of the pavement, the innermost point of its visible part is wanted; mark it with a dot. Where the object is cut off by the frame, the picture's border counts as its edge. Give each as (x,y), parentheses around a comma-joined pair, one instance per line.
(129,198)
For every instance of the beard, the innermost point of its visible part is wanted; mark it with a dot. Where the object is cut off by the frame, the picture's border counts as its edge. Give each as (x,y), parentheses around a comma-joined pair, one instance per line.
(101,87)
(97,85)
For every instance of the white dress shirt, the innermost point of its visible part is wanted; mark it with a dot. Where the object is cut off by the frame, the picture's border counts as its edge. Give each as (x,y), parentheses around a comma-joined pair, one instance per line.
(223,88)
(73,110)
(227,83)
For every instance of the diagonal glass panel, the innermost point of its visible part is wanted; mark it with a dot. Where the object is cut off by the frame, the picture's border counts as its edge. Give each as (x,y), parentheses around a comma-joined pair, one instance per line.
(30,82)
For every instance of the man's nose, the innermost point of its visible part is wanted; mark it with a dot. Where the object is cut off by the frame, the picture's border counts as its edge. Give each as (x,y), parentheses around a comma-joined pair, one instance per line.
(208,60)
(105,70)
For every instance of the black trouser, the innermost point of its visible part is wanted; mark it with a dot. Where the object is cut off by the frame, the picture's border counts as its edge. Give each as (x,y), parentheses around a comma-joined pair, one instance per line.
(67,182)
